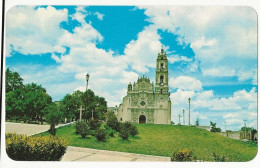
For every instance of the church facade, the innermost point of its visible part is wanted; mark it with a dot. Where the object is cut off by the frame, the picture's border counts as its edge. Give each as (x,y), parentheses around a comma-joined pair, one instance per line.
(146,102)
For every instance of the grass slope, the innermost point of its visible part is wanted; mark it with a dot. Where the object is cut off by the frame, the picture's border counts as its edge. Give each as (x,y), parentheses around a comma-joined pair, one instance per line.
(162,140)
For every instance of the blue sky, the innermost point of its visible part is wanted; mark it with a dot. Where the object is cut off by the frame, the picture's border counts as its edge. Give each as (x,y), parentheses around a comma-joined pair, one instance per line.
(212,53)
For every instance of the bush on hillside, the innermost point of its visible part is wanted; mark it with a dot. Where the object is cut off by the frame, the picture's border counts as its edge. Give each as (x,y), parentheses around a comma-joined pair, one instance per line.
(127,129)
(82,128)
(94,124)
(218,158)
(27,148)
(113,123)
(124,133)
(182,155)
(109,131)
(100,134)
(133,130)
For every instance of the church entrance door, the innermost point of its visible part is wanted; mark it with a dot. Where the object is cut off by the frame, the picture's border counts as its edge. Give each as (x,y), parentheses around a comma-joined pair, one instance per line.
(142,119)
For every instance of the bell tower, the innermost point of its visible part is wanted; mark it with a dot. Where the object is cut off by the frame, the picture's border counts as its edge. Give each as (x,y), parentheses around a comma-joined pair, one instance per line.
(161,76)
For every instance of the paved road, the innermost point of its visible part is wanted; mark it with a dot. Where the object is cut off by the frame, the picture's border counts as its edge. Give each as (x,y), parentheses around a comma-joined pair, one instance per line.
(87,154)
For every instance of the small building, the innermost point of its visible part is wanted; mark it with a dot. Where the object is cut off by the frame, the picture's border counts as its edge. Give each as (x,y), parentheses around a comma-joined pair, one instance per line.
(146,102)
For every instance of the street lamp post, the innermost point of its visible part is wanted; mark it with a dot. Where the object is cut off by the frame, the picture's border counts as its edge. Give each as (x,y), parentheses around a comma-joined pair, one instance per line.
(183,117)
(189,109)
(87,78)
(179,119)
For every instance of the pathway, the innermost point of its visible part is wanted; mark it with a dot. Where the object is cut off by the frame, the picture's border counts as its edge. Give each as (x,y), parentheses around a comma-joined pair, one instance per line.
(27,129)
(87,154)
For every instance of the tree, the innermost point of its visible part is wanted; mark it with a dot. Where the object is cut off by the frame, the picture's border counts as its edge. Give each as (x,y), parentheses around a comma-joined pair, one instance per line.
(27,102)
(101,108)
(213,127)
(89,104)
(35,100)
(53,116)
(13,81)
(89,101)
(69,106)
(197,122)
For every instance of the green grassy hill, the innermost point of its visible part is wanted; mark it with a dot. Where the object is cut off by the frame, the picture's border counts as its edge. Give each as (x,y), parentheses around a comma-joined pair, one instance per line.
(162,140)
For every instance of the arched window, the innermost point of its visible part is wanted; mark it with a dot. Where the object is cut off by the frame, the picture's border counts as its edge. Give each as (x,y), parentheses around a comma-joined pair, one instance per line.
(161,91)
(161,80)
(162,66)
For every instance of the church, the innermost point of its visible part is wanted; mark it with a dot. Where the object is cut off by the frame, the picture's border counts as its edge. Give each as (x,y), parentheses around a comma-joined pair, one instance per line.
(146,103)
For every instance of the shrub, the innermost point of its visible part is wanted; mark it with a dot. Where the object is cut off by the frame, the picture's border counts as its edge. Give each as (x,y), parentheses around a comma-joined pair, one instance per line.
(94,124)
(36,148)
(77,127)
(113,123)
(25,119)
(217,158)
(182,155)
(82,128)
(124,133)
(133,130)
(109,131)
(100,134)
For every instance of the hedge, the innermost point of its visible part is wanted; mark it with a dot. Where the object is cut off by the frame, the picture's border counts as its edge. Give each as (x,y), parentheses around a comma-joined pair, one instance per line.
(36,148)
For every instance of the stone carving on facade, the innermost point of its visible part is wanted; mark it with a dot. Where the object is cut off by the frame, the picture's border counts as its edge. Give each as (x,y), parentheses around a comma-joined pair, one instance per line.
(148,113)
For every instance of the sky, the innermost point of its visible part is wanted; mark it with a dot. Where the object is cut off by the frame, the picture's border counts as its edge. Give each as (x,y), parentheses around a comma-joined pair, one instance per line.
(212,54)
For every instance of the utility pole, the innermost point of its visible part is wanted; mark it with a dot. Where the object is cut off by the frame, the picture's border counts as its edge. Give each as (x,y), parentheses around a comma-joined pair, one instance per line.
(179,119)
(225,128)
(245,128)
(189,109)
(183,117)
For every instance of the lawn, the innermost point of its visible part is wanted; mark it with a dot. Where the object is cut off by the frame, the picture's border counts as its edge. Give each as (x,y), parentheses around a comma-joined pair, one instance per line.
(162,140)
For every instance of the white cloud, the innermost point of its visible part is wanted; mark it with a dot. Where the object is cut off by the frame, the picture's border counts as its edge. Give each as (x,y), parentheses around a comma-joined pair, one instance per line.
(202,42)
(185,83)
(99,15)
(234,109)
(36,35)
(220,71)
(218,35)
(142,53)
(128,77)
(176,58)
(231,115)
(248,74)
(234,121)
